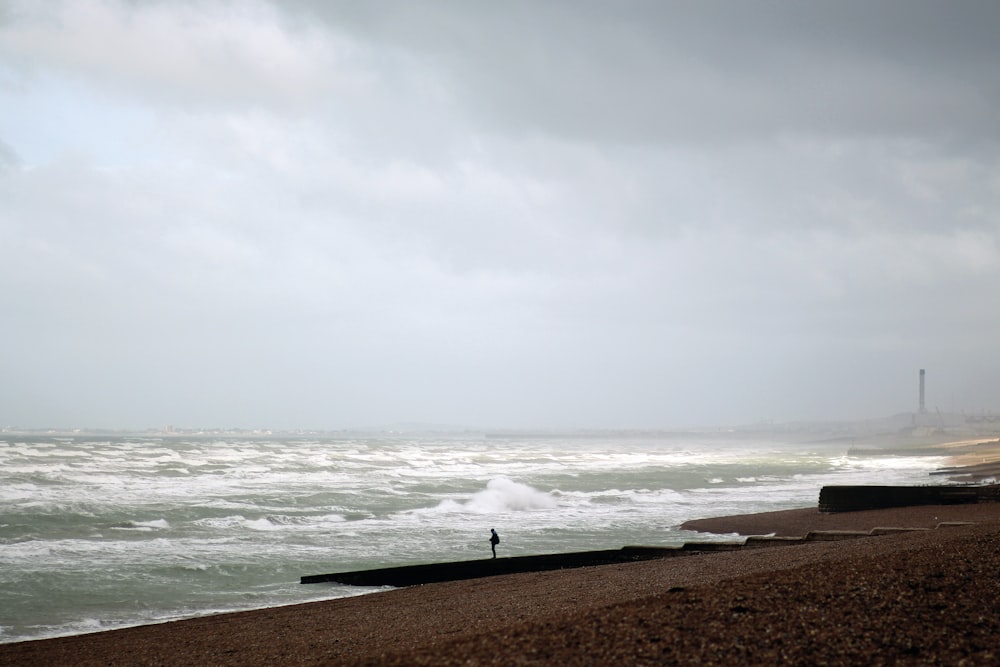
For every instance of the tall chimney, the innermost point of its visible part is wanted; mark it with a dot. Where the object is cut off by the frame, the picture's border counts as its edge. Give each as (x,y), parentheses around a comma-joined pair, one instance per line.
(922,408)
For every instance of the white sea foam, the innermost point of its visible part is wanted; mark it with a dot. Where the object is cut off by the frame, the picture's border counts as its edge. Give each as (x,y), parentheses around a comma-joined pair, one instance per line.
(501,495)
(156,524)
(260,524)
(16,553)
(230,521)
(196,567)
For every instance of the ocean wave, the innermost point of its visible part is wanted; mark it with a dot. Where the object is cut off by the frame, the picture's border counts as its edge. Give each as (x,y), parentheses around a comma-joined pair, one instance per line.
(501,495)
(271,522)
(228,522)
(156,524)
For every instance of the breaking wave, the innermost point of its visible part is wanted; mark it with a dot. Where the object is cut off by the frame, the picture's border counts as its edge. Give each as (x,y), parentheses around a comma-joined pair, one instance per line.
(502,495)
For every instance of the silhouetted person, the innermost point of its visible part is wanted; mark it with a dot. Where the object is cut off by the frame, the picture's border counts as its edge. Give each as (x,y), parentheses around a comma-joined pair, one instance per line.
(494,541)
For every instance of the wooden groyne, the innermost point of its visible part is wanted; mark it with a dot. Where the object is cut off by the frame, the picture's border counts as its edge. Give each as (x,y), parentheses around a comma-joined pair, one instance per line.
(855,498)
(412,575)
(976,472)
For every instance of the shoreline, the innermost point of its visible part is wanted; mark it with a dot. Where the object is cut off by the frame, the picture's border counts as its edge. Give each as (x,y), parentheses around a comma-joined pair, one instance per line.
(565,615)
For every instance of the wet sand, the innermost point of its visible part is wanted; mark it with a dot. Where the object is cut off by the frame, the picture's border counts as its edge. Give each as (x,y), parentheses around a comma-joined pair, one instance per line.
(927,596)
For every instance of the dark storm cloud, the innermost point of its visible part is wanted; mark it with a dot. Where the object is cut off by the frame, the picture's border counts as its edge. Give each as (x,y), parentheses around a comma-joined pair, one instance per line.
(708,72)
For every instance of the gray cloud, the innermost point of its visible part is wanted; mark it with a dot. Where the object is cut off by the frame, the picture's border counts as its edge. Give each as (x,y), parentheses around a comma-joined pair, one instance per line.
(338,214)
(673,72)
(8,157)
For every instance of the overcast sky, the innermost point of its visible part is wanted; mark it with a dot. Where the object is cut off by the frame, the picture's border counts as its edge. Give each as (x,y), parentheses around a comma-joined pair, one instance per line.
(497,214)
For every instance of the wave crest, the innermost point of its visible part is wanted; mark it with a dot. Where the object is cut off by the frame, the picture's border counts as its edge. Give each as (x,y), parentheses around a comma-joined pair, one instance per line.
(503,495)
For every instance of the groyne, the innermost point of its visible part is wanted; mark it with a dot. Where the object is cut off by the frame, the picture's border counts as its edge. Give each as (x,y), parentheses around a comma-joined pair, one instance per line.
(855,498)
(412,575)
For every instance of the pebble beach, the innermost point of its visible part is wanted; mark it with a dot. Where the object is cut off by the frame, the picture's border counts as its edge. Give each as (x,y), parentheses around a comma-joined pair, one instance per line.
(923,596)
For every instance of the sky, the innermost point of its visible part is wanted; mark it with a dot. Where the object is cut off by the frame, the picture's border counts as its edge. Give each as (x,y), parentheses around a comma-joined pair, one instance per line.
(555,214)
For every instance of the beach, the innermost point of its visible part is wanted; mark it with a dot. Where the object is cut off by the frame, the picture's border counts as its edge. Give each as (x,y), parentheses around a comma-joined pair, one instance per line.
(929,595)
(105,533)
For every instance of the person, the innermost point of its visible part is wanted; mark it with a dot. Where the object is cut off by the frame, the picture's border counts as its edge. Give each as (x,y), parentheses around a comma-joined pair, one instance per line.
(494,541)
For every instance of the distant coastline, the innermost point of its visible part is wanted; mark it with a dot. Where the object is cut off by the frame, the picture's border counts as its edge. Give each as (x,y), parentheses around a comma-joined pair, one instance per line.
(899,430)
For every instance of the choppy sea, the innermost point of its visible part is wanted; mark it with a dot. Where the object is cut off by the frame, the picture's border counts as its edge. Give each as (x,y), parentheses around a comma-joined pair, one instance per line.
(104,532)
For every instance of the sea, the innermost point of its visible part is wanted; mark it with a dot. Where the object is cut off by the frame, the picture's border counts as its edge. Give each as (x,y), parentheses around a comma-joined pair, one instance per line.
(102,532)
